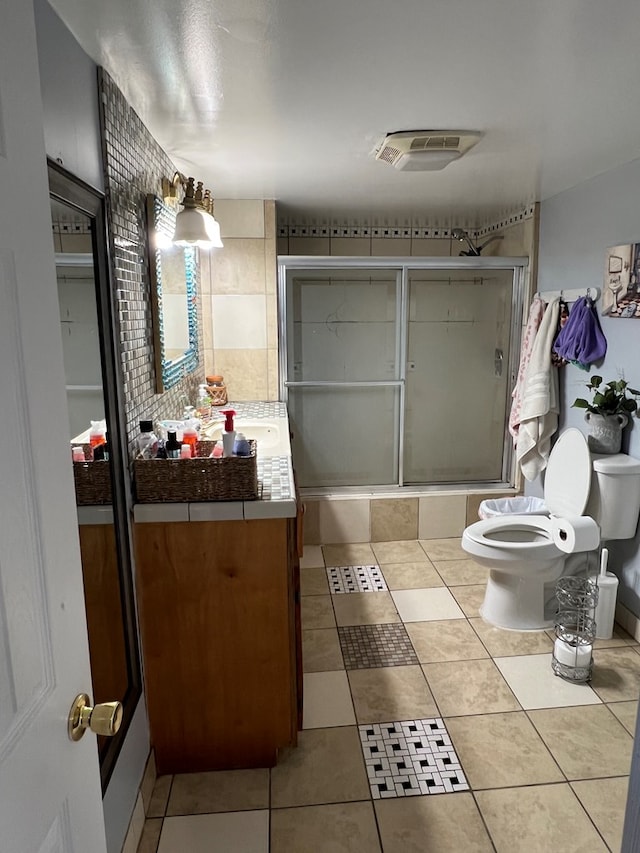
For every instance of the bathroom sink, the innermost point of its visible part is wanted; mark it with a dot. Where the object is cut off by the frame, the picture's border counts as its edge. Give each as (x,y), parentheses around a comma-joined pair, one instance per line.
(270,438)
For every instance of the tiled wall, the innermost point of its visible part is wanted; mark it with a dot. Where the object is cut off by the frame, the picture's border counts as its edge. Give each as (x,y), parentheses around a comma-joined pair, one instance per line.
(341,520)
(238,286)
(518,231)
(134,166)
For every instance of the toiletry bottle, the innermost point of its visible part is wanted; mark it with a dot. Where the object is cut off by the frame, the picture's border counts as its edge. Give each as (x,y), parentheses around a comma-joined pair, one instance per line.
(190,437)
(77,454)
(229,434)
(203,408)
(217,450)
(101,451)
(147,441)
(172,446)
(97,434)
(241,446)
(185,451)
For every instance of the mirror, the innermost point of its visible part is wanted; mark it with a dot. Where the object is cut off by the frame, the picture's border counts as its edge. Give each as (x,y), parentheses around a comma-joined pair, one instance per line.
(172,273)
(89,350)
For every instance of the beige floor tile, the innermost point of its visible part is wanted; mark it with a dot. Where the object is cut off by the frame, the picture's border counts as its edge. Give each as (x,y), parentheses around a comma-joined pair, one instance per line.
(366,608)
(448,822)
(339,828)
(605,801)
(159,796)
(539,819)
(150,835)
(398,552)
(314,582)
(394,519)
(535,685)
(616,674)
(620,638)
(410,575)
(469,687)
(317,612)
(327,700)
(221,791)
(461,572)
(453,639)
(627,713)
(312,557)
(469,598)
(501,643)
(242,832)
(348,555)
(587,742)
(327,766)
(501,750)
(443,549)
(390,693)
(148,780)
(321,650)
(426,605)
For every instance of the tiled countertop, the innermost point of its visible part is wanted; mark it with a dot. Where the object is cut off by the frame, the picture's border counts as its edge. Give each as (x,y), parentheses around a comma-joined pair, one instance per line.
(275,482)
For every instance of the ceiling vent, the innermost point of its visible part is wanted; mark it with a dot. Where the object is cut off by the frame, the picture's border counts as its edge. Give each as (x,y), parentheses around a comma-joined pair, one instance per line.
(425,150)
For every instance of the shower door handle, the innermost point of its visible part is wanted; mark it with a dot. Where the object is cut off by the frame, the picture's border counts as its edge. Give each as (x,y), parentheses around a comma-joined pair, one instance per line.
(498,359)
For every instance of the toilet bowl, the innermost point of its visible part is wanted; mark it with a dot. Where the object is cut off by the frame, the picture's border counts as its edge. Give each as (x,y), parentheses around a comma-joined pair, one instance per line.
(519,550)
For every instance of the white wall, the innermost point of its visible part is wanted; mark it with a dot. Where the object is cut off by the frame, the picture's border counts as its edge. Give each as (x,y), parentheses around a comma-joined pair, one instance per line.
(576,227)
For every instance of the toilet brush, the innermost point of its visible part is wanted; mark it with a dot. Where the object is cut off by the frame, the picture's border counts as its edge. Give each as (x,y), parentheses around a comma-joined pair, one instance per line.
(606,606)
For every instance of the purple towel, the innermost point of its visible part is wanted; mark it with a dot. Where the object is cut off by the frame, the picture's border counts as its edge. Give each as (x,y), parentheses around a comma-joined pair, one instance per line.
(581,341)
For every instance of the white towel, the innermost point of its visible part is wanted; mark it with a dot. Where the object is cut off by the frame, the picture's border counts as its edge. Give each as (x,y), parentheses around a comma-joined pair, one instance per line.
(536,313)
(539,413)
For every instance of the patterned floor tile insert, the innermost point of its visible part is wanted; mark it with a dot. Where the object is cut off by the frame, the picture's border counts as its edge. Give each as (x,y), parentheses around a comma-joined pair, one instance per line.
(411,757)
(355,579)
(370,646)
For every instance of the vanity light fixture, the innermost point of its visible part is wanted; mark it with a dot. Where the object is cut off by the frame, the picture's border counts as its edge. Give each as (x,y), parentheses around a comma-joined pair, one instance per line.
(195,223)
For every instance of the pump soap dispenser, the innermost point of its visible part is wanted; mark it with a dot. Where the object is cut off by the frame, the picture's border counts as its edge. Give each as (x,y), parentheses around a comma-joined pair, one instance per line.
(229,434)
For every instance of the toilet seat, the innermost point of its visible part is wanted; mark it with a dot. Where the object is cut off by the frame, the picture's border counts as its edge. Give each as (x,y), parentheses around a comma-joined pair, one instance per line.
(528,536)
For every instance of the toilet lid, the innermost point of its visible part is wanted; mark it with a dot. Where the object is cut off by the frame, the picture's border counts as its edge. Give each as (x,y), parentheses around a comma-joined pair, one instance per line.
(568,477)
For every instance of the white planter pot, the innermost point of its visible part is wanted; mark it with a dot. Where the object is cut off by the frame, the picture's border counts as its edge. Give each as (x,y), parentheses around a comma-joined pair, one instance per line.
(605,432)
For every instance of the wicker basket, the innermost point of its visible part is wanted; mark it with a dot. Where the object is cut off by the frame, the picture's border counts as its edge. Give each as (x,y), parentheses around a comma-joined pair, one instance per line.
(232,478)
(93,483)
(218,394)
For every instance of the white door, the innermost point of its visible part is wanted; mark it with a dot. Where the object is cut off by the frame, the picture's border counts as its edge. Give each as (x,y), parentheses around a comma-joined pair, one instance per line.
(50,799)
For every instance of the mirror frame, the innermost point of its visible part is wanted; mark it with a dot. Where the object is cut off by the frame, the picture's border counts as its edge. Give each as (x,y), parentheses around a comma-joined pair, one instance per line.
(71,191)
(161,219)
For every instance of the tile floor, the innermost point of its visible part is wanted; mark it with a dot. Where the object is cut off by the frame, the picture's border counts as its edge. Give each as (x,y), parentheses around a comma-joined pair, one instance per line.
(424,728)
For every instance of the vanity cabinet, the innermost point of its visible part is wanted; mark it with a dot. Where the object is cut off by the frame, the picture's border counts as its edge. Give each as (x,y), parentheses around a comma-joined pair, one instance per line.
(219,618)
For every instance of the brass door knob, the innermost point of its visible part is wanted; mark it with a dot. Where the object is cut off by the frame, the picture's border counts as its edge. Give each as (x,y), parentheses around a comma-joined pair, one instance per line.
(103,719)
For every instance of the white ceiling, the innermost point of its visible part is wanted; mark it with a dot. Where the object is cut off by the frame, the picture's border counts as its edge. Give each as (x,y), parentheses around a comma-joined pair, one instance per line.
(287,99)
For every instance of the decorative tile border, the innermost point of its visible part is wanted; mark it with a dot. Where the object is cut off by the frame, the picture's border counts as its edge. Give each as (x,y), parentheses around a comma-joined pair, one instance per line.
(344,579)
(416,230)
(410,757)
(374,646)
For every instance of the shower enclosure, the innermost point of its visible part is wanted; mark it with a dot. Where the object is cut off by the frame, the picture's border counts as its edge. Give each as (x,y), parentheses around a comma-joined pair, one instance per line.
(398,372)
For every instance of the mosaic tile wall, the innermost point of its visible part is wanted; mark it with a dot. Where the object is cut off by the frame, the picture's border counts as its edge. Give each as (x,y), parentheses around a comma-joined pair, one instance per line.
(134,165)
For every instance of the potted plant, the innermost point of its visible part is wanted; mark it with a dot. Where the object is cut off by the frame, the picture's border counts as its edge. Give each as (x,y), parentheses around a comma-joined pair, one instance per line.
(608,412)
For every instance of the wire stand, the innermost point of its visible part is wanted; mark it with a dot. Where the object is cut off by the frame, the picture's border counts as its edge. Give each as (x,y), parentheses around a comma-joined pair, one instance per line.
(575,629)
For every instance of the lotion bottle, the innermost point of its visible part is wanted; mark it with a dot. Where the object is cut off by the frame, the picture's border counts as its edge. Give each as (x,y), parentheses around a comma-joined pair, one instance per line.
(229,433)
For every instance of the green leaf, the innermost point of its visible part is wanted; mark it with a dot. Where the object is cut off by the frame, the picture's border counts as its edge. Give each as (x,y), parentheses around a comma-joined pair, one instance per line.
(595,381)
(580,404)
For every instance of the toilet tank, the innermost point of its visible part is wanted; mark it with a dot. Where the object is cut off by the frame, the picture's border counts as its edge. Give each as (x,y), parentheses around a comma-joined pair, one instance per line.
(614,499)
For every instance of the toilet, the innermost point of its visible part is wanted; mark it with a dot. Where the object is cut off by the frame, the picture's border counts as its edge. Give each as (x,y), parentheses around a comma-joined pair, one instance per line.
(519,550)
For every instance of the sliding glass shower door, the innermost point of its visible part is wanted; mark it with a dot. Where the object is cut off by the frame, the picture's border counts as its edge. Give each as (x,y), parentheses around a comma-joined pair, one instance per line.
(398,373)
(457,381)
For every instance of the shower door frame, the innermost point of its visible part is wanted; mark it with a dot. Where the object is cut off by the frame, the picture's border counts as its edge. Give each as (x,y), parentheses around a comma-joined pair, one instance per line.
(402,266)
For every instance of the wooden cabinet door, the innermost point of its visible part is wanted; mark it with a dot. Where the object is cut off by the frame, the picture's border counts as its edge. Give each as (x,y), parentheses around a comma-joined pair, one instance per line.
(218,640)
